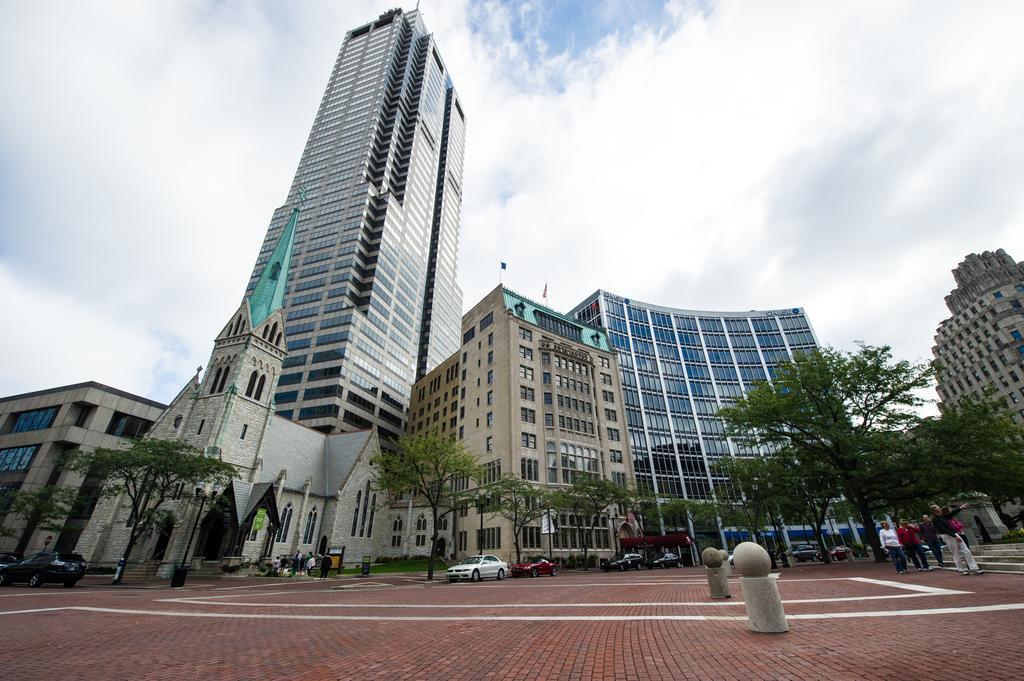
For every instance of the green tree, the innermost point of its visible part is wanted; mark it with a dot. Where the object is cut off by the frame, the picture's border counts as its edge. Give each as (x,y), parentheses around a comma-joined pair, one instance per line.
(807,487)
(591,496)
(521,503)
(974,446)
(44,508)
(436,469)
(851,412)
(751,494)
(148,473)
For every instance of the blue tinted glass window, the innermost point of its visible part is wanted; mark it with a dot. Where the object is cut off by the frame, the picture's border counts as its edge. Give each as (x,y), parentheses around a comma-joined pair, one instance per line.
(997,295)
(17,458)
(1016,335)
(35,420)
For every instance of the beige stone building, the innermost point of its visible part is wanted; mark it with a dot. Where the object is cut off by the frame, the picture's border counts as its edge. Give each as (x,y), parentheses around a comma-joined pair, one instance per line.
(38,428)
(981,345)
(536,395)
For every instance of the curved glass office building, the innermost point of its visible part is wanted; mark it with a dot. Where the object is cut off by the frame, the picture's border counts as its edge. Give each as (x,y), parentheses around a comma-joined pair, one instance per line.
(679,367)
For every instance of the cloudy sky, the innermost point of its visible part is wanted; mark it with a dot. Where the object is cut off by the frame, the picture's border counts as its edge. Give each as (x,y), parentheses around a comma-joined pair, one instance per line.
(842,157)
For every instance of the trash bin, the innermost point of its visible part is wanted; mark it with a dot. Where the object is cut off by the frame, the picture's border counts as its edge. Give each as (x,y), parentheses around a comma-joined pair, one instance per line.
(179,577)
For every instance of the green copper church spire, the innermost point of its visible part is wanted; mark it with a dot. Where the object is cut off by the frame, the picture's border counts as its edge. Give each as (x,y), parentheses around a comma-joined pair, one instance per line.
(268,295)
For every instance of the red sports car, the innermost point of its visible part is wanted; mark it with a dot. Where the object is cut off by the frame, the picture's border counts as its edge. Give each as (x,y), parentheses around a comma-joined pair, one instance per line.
(534,567)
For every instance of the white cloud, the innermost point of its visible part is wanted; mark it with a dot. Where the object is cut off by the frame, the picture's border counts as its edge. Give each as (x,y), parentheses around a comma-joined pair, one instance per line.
(842,157)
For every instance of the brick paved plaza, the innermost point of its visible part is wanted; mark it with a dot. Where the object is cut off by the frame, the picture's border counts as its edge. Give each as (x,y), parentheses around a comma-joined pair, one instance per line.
(849,621)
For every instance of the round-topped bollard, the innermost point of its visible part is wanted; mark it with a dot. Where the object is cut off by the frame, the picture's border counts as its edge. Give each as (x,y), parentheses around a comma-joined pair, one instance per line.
(718,580)
(760,590)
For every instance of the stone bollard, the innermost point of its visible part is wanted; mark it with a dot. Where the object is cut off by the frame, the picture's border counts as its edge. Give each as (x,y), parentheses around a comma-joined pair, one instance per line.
(760,591)
(725,562)
(718,580)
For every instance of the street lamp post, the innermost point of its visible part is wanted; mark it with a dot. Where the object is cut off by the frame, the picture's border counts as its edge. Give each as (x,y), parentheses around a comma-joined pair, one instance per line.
(481,502)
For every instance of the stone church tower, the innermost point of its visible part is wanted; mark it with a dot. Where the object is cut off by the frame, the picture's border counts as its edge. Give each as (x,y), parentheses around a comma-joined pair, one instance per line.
(227,413)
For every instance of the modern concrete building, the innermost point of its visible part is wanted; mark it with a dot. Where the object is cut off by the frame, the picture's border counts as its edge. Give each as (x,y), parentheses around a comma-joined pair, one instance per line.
(372,301)
(981,345)
(536,395)
(37,428)
(678,367)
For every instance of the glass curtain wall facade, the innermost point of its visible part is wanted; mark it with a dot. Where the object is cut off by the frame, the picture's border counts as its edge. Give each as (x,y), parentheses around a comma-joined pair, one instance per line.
(372,298)
(679,367)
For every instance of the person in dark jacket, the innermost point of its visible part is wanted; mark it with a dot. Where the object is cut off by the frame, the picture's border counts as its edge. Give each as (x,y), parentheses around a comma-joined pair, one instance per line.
(953,541)
(325,566)
(929,536)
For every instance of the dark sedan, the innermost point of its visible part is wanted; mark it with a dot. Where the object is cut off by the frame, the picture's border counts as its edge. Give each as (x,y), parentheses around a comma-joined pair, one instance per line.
(45,566)
(805,552)
(665,560)
(626,561)
(9,558)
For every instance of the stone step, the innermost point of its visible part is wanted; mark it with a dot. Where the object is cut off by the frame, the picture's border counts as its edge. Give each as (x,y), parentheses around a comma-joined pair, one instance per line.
(1001,567)
(1006,557)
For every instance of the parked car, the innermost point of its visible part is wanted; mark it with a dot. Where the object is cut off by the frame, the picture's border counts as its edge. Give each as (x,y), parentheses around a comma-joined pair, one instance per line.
(623,562)
(8,558)
(45,566)
(476,568)
(841,553)
(805,552)
(534,567)
(665,560)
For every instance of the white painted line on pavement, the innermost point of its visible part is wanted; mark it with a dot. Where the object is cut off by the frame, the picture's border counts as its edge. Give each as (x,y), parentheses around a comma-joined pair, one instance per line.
(908,586)
(538,618)
(23,612)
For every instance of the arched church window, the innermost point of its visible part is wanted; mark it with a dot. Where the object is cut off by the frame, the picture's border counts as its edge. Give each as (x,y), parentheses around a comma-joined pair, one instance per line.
(216,380)
(259,387)
(251,384)
(286,521)
(275,270)
(177,421)
(355,514)
(224,378)
(278,340)
(266,329)
(397,525)
(373,509)
(273,330)
(238,326)
(310,533)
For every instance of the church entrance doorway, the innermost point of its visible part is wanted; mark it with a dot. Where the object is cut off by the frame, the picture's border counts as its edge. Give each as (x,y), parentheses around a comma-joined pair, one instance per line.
(160,549)
(441,546)
(212,537)
(322,549)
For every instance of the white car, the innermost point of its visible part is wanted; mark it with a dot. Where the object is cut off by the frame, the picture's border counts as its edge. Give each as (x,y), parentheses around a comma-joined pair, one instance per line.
(476,568)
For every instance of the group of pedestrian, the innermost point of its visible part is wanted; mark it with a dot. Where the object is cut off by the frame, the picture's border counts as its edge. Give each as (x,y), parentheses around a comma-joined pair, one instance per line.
(302,565)
(941,527)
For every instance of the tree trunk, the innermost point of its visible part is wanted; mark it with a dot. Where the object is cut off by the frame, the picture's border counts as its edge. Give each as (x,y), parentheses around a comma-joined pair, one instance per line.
(433,546)
(869,530)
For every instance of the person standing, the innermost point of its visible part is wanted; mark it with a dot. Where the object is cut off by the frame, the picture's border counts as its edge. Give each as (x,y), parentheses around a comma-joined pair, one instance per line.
(325,566)
(953,541)
(296,563)
(891,541)
(908,535)
(310,564)
(928,534)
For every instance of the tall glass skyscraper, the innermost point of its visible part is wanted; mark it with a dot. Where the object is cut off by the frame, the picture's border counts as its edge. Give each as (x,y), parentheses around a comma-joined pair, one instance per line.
(678,368)
(372,300)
